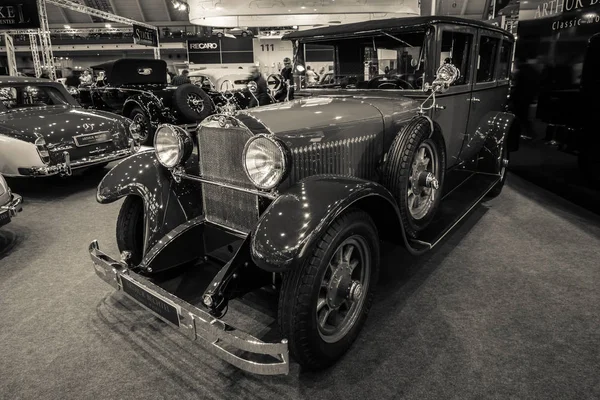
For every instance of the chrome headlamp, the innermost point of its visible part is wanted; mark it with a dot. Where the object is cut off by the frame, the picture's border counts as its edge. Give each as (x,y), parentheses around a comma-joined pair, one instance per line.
(265,161)
(173,145)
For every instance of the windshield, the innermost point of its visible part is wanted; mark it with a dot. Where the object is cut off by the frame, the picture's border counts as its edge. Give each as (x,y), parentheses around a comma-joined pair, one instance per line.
(31,95)
(387,61)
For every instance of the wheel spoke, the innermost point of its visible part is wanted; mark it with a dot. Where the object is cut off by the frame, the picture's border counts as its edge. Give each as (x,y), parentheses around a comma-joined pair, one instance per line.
(353,265)
(411,200)
(322,303)
(339,256)
(324,317)
(348,253)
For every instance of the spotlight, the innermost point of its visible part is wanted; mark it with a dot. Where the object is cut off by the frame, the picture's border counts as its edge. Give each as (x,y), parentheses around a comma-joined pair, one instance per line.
(108,26)
(67,26)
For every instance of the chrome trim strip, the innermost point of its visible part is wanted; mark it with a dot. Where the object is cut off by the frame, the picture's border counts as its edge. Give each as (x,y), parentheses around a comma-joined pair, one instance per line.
(66,167)
(196,324)
(180,174)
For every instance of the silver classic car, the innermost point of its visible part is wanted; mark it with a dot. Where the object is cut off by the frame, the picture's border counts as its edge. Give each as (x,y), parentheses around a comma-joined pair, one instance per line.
(10,203)
(44,131)
(300,194)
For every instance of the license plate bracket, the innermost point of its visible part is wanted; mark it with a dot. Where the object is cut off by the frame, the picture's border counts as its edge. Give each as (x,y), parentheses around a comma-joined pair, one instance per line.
(153,302)
(92,138)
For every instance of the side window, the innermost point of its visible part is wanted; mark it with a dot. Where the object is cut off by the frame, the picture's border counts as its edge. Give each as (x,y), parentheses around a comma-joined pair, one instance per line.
(486,60)
(456,49)
(505,59)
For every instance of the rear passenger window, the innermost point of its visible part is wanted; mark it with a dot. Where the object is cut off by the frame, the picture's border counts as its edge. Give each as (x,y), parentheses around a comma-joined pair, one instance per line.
(456,49)
(486,61)
(505,60)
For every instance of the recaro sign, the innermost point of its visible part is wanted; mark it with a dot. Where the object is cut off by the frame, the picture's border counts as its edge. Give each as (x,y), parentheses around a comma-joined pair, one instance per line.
(204,46)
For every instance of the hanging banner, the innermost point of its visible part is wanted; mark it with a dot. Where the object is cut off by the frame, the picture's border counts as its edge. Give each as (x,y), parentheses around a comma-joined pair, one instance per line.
(19,14)
(145,36)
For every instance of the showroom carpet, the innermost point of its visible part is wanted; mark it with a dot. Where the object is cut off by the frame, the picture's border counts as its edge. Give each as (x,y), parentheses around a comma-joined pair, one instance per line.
(507,307)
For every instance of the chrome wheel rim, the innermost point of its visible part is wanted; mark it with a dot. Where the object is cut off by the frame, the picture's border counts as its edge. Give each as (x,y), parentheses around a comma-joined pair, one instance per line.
(141,121)
(423,183)
(343,289)
(195,102)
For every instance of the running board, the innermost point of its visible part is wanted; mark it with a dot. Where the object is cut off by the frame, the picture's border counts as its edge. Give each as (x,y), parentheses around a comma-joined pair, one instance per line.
(454,207)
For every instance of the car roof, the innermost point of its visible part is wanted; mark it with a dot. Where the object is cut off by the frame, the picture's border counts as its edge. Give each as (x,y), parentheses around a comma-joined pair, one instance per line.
(390,24)
(126,71)
(8,80)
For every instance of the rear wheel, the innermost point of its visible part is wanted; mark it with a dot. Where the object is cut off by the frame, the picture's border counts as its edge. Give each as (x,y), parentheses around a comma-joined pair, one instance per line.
(139,116)
(324,302)
(503,164)
(130,228)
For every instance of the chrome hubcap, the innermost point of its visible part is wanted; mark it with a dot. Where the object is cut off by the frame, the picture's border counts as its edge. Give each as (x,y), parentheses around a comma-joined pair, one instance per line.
(195,102)
(423,183)
(343,288)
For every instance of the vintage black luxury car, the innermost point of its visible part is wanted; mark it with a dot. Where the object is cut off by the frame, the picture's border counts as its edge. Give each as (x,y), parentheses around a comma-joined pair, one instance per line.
(44,131)
(10,203)
(138,89)
(300,193)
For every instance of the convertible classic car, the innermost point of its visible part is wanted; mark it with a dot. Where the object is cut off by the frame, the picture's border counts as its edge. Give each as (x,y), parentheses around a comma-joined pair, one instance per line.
(138,89)
(44,131)
(10,203)
(299,194)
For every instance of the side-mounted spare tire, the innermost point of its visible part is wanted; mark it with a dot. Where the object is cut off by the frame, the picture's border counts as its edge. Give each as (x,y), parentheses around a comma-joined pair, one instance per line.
(192,102)
(414,173)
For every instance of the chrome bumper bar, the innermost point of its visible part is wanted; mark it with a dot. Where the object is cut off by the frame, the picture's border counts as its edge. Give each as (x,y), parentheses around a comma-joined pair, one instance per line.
(196,324)
(13,207)
(67,167)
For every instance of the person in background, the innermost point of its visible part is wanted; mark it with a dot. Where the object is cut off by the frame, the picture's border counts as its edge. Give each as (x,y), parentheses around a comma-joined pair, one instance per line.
(311,76)
(168,76)
(322,71)
(181,79)
(71,79)
(261,96)
(85,78)
(288,78)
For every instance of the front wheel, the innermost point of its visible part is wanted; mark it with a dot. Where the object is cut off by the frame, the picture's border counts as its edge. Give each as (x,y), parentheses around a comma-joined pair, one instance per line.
(325,301)
(146,135)
(130,228)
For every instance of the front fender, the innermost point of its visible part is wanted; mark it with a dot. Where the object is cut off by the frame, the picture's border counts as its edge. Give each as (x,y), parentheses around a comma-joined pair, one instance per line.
(288,230)
(167,203)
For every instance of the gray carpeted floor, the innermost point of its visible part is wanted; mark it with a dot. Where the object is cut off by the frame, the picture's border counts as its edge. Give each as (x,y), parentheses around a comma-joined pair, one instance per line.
(507,307)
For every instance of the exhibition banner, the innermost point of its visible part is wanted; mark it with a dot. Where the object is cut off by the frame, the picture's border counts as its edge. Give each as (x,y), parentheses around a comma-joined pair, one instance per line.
(145,36)
(214,50)
(19,14)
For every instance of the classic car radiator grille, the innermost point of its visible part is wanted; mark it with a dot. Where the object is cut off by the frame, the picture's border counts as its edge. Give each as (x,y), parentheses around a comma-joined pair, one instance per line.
(221,161)
(350,157)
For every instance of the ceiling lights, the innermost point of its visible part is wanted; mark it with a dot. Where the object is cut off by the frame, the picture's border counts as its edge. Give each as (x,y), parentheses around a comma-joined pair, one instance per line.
(180,5)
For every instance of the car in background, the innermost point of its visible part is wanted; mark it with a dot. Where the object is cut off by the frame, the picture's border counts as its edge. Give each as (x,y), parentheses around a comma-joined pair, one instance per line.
(44,131)
(227,88)
(138,89)
(10,203)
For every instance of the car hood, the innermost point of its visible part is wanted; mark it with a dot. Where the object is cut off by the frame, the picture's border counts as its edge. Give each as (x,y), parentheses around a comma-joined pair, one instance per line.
(57,123)
(305,116)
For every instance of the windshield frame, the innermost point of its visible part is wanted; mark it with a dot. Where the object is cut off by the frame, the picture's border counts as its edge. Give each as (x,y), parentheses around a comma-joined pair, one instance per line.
(426,55)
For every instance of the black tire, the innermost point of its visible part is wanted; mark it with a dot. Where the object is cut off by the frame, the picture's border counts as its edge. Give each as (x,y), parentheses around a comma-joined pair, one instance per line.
(398,167)
(301,290)
(130,228)
(146,133)
(497,189)
(183,97)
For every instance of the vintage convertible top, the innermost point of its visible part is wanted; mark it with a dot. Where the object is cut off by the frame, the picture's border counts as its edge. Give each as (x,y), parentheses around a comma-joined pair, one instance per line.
(387,25)
(134,71)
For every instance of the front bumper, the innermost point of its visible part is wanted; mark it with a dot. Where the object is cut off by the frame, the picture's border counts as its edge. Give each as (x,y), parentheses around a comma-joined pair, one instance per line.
(66,168)
(10,209)
(198,325)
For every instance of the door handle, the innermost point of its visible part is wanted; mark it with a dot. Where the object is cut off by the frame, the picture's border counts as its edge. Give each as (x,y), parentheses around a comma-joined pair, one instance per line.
(475,99)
